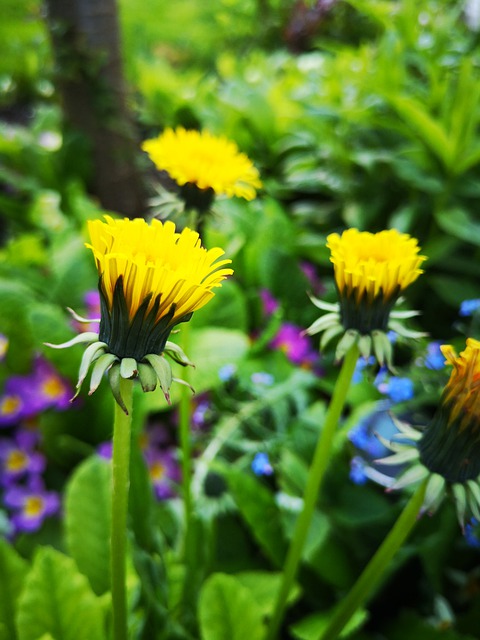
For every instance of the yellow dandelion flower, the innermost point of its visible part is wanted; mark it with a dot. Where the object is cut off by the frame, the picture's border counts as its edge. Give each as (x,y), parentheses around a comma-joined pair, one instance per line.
(368,265)
(151,278)
(371,270)
(204,161)
(170,269)
(448,449)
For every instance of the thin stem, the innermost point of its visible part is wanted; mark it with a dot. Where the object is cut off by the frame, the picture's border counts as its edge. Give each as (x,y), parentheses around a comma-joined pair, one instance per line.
(185,417)
(377,565)
(121,482)
(318,467)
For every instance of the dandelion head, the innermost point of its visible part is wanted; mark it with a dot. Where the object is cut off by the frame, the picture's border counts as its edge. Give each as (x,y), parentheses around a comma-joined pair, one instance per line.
(371,271)
(447,451)
(203,165)
(151,278)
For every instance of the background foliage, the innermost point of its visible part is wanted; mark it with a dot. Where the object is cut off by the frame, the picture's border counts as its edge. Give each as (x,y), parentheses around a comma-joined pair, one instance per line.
(369,119)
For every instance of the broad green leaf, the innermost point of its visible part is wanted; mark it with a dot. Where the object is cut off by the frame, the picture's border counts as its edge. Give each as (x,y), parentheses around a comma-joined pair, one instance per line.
(209,350)
(264,587)
(13,322)
(312,627)
(87,521)
(228,611)
(259,510)
(13,570)
(57,600)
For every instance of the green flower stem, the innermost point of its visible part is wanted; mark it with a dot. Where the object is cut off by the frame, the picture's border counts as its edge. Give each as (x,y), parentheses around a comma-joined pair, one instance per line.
(185,418)
(121,481)
(377,565)
(319,465)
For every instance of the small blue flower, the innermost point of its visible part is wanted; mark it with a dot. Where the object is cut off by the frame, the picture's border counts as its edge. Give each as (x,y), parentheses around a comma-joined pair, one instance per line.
(434,359)
(363,435)
(200,414)
(262,378)
(362,364)
(261,465)
(357,470)
(392,336)
(397,389)
(468,307)
(227,372)
(472,533)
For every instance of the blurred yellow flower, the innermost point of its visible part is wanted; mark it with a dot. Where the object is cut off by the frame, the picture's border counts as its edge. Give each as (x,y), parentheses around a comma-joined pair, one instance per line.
(209,162)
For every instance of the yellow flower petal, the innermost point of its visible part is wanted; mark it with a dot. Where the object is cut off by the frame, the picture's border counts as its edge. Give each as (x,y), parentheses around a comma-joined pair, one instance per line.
(155,259)
(462,391)
(373,263)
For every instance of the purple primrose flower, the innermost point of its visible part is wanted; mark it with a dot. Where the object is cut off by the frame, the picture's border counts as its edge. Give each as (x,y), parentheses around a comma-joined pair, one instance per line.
(164,472)
(269,303)
(18,458)
(30,505)
(25,396)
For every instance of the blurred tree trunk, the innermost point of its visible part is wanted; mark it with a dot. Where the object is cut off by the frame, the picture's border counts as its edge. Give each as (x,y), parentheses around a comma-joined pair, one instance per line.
(86,44)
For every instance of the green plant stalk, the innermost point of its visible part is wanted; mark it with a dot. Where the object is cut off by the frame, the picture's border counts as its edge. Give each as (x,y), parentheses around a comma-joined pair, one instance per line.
(185,418)
(122,429)
(316,473)
(377,565)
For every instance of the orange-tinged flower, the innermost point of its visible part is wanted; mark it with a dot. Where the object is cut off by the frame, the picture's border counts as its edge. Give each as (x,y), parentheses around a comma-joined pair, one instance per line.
(448,449)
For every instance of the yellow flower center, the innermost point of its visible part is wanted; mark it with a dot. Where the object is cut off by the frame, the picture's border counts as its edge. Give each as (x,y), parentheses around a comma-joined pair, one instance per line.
(373,264)
(52,387)
(208,161)
(16,461)
(33,506)
(10,405)
(3,346)
(155,259)
(157,471)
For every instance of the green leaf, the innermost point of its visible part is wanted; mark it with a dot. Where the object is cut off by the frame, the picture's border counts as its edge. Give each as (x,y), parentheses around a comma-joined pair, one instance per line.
(209,350)
(57,600)
(453,290)
(227,309)
(228,611)
(13,570)
(458,223)
(264,587)
(87,521)
(312,627)
(259,510)
(429,130)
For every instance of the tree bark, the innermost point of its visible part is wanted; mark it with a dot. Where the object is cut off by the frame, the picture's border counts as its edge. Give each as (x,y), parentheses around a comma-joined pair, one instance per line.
(86,43)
